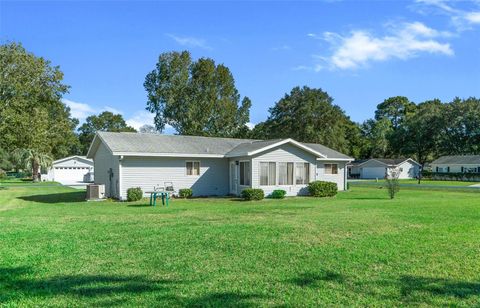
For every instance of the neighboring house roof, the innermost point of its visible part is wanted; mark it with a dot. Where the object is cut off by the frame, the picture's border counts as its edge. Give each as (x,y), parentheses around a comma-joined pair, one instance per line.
(138,144)
(82,158)
(384,161)
(458,160)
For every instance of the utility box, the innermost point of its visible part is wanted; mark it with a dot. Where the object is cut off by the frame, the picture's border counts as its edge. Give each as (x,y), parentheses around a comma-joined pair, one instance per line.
(95,191)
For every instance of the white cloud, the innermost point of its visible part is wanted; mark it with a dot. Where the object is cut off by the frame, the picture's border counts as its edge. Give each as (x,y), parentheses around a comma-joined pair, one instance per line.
(473,17)
(360,48)
(250,125)
(462,19)
(282,47)
(78,110)
(112,110)
(190,41)
(140,118)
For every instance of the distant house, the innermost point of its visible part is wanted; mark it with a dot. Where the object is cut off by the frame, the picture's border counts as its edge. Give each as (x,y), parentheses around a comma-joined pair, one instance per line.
(211,166)
(457,164)
(376,168)
(71,170)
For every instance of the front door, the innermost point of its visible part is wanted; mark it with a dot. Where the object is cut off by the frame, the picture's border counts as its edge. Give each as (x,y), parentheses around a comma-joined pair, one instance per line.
(233,178)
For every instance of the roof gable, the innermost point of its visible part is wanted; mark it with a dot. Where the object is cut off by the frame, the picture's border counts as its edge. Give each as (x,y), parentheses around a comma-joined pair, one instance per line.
(384,161)
(82,159)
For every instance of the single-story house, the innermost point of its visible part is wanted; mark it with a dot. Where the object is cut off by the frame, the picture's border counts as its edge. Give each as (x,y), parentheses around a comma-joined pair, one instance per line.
(211,166)
(376,168)
(457,164)
(71,170)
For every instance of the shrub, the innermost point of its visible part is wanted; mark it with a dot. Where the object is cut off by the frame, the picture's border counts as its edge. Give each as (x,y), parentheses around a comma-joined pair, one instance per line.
(134,194)
(253,194)
(392,183)
(322,189)
(278,194)
(3,175)
(185,193)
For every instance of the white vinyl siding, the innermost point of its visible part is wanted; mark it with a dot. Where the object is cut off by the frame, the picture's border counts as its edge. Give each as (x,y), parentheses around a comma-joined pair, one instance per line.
(149,172)
(103,162)
(338,178)
(286,153)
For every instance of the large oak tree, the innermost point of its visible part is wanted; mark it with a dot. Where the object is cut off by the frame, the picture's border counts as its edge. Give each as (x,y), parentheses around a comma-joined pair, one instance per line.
(195,97)
(32,115)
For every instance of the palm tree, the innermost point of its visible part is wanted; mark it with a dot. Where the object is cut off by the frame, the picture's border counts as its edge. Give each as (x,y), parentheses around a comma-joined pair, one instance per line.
(33,160)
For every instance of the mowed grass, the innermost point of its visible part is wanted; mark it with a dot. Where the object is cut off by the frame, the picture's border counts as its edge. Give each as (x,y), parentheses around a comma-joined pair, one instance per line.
(356,249)
(423,182)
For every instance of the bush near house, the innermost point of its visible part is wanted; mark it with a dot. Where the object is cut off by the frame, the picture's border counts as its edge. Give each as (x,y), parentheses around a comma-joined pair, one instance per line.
(252,194)
(134,194)
(278,194)
(185,193)
(322,189)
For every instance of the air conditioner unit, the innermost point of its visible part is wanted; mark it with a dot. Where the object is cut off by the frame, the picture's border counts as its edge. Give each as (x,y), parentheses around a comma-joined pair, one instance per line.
(95,191)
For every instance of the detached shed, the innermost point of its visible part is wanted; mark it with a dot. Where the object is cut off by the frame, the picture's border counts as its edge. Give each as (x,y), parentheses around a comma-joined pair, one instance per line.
(376,168)
(71,170)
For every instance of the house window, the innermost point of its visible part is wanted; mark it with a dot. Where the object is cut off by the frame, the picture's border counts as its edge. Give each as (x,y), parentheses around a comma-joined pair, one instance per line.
(302,173)
(285,173)
(331,168)
(267,173)
(193,167)
(245,173)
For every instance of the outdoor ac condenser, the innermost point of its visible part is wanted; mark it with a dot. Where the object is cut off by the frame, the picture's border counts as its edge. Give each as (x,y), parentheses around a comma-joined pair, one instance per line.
(95,191)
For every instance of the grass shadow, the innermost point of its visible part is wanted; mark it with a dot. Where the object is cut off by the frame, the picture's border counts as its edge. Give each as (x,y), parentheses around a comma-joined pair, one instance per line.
(225,299)
(438,287)
(312,279)
(66,197)
(14,285)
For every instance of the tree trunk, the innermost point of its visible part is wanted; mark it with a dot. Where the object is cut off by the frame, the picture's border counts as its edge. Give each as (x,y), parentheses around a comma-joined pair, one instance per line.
(35,171)
(420,174)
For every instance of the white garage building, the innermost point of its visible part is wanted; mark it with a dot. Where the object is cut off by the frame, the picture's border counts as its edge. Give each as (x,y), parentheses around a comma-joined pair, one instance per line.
(376,168)
(71,170)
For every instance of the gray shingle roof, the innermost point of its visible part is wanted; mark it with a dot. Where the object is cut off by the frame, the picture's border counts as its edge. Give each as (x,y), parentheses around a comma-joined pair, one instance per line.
(330,153)
(175,144)
(250,146)
(156,143)
(459,159)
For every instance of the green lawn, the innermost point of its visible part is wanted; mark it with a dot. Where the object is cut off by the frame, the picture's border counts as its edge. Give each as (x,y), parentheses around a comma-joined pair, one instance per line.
(359,248)
(423,182)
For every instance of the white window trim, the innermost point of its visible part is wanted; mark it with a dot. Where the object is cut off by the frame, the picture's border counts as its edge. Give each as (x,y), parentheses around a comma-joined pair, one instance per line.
(276,173)
(250,163)
(334,174)
(294,173)
(193,164)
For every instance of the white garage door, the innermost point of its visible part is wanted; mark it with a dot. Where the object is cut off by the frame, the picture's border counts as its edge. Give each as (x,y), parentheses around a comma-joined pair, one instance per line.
(69,175)
(373,173)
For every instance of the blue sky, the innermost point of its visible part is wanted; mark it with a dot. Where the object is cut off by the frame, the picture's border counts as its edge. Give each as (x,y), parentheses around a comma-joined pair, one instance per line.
(360,52)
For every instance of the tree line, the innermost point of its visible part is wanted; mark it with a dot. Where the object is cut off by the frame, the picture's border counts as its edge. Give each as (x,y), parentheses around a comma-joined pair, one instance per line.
(199,97)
